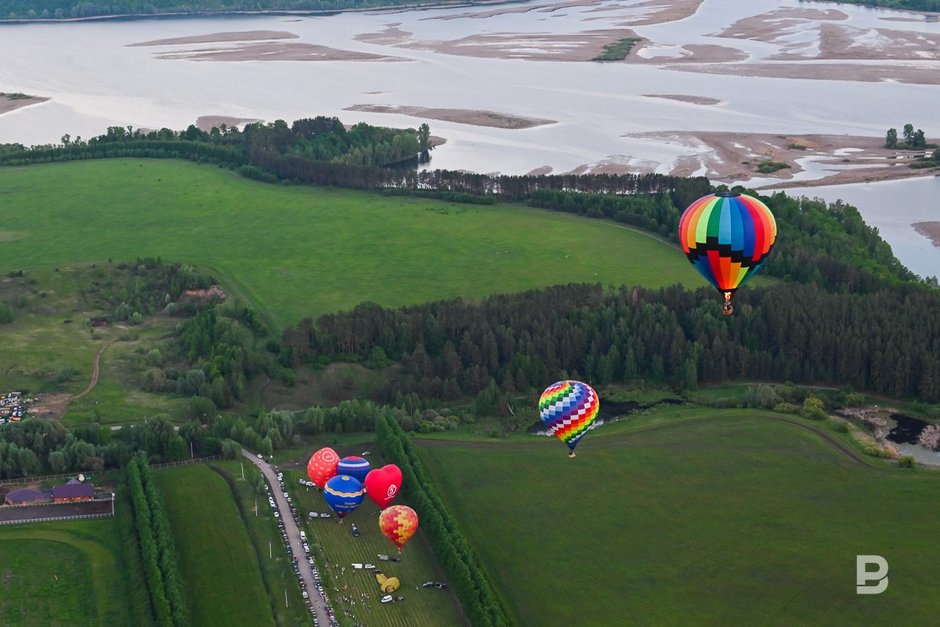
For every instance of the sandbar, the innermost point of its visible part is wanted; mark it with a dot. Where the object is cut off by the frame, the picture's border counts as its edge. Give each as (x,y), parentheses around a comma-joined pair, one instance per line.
(461,116)
(930,230)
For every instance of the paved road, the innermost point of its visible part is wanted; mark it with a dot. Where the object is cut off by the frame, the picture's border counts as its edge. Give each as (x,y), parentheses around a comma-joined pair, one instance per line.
(293,536)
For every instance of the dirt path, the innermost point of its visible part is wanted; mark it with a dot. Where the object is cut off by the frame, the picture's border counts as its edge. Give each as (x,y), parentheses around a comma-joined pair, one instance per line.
(95,370)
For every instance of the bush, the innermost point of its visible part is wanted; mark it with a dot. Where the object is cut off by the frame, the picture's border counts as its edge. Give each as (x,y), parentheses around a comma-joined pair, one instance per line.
(6,313)
(906,462)
(787,408)
(838,426)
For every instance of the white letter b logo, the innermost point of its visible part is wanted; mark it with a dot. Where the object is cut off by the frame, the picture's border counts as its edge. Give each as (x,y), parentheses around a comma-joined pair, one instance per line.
(863,576)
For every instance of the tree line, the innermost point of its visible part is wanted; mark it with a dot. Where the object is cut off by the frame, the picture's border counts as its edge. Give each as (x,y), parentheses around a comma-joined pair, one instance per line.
(885,342)
(912,5)
(155,542)
(451,548)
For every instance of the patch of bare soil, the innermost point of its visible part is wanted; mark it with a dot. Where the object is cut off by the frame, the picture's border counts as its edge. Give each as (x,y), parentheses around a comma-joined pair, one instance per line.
(8,104)
(50,406)
(251,35)
(461,116)
(700,100)
(276,52)
(931,230)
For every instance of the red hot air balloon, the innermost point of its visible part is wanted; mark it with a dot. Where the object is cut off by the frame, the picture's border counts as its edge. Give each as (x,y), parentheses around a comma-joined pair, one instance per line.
(727,237)
(382,484)
(398,523)
(322,466)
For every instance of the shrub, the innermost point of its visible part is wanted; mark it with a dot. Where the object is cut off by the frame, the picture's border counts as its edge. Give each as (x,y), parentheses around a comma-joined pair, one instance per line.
(906,462)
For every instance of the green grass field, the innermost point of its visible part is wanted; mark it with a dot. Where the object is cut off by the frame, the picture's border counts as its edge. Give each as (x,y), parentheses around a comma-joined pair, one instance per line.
(302,251)
(733,519)
(356,591)
(66,573)
(219,568)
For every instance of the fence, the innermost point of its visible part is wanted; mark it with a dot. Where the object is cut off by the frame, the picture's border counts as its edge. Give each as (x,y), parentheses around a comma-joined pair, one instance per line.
(25,521)
(112,471)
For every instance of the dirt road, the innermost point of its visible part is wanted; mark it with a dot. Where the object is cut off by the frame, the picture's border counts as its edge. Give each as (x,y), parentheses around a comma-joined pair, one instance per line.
(320,604)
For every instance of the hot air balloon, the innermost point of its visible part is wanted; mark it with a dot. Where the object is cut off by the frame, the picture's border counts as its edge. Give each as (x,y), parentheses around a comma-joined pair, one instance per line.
(356,467)
(727,236)
(382,484)
(569,409)
(343,494)
(398,523)
(322,466)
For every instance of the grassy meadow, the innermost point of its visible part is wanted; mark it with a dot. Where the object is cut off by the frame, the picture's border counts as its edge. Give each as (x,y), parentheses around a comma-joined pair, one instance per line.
(218,565)
(736,518)
(65,573)
(302,251)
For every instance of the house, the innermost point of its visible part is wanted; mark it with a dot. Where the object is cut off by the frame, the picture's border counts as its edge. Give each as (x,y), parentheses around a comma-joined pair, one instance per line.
(27,496)
(73,491)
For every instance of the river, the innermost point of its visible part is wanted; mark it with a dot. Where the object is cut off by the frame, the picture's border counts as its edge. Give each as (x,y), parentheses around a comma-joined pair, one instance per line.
(96,78)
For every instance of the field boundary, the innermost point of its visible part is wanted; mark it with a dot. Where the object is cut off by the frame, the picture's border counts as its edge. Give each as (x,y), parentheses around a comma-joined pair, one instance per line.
(27,521)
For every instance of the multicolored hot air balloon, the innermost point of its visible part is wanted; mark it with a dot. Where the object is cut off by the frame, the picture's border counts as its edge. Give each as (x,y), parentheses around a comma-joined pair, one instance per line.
(569,409)
(398,523)
(343,494)
(356,467)
(322,466)
(727,236)
(382,484)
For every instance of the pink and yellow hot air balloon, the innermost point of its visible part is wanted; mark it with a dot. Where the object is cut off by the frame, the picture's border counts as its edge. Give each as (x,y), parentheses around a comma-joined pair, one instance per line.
(398,523)
(727,237)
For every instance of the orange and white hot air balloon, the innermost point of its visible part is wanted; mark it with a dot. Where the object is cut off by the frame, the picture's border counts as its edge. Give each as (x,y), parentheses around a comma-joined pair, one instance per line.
(398,523)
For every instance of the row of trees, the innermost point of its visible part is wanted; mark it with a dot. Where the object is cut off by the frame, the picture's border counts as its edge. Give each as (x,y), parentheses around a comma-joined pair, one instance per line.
(886,342)
(912,138)
(911,5)
(157,549)
(452,550)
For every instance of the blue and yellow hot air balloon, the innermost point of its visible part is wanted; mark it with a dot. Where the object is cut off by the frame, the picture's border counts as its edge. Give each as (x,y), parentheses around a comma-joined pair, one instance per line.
(569,409)
(343,494)
(727,237)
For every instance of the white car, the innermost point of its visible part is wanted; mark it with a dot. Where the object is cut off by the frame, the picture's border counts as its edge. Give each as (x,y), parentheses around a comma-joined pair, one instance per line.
(387,598)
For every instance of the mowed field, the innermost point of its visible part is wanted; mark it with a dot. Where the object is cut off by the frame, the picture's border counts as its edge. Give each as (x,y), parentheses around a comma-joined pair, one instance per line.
(218,564)
(66,573)
(303,251)
(737,518)
(355,593)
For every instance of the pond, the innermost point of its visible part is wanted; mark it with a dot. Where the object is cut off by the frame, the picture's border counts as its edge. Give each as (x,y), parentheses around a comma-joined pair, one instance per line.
(905,434)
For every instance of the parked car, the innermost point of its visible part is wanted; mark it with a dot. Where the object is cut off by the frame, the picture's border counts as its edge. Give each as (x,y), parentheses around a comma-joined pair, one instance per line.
(387,598)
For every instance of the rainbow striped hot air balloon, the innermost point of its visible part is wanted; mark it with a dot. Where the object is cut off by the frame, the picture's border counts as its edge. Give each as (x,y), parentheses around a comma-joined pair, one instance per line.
(727,237)
(569,409)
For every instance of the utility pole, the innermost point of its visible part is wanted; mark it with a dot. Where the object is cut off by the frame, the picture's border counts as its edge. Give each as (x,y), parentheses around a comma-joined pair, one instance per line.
(190,449)
(112,503)
(242,464)
(270,555)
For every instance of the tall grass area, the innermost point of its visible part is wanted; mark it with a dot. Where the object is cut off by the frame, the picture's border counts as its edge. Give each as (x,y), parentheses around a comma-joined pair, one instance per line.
(64,573)
(218,567)
(302,251)
(734,519)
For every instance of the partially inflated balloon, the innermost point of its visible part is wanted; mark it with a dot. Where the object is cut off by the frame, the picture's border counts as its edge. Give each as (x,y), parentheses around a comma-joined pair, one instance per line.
(356,467)
(322,466)
(569,409)
(727,236)
(343,494)
(382,484)
(398,523)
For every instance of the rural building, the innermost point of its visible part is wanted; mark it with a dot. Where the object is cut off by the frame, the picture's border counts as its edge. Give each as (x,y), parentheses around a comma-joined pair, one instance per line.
(27,496)
(73,491)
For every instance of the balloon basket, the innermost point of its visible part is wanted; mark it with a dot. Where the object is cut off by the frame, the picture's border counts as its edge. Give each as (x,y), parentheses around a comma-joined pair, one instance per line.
(571,455)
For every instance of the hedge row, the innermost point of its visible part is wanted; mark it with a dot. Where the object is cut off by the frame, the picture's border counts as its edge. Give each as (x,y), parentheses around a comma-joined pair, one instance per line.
(157,549)
(462,566)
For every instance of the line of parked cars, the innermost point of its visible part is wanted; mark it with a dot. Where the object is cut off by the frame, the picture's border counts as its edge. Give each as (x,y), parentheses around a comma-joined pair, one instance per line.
(295,562)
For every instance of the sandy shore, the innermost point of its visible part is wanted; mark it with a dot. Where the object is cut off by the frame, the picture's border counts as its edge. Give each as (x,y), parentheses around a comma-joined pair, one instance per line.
(8,104)
(275,52)
(930,230)
(461,116)
(252,35)
(701,100)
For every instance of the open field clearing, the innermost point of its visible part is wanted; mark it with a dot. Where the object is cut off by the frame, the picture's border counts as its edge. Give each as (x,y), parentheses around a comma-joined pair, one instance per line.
(302,251)
(734,518)
(221,578)
(67,573)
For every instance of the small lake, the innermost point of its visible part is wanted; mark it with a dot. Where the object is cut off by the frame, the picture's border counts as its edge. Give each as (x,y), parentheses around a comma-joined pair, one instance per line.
(904,435)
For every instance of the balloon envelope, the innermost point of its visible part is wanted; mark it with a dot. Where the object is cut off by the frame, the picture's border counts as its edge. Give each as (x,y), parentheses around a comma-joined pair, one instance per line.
(569,409)
(322,466)
(343,494)
(398,523)
(382,484)
(727,236)
(355,467)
